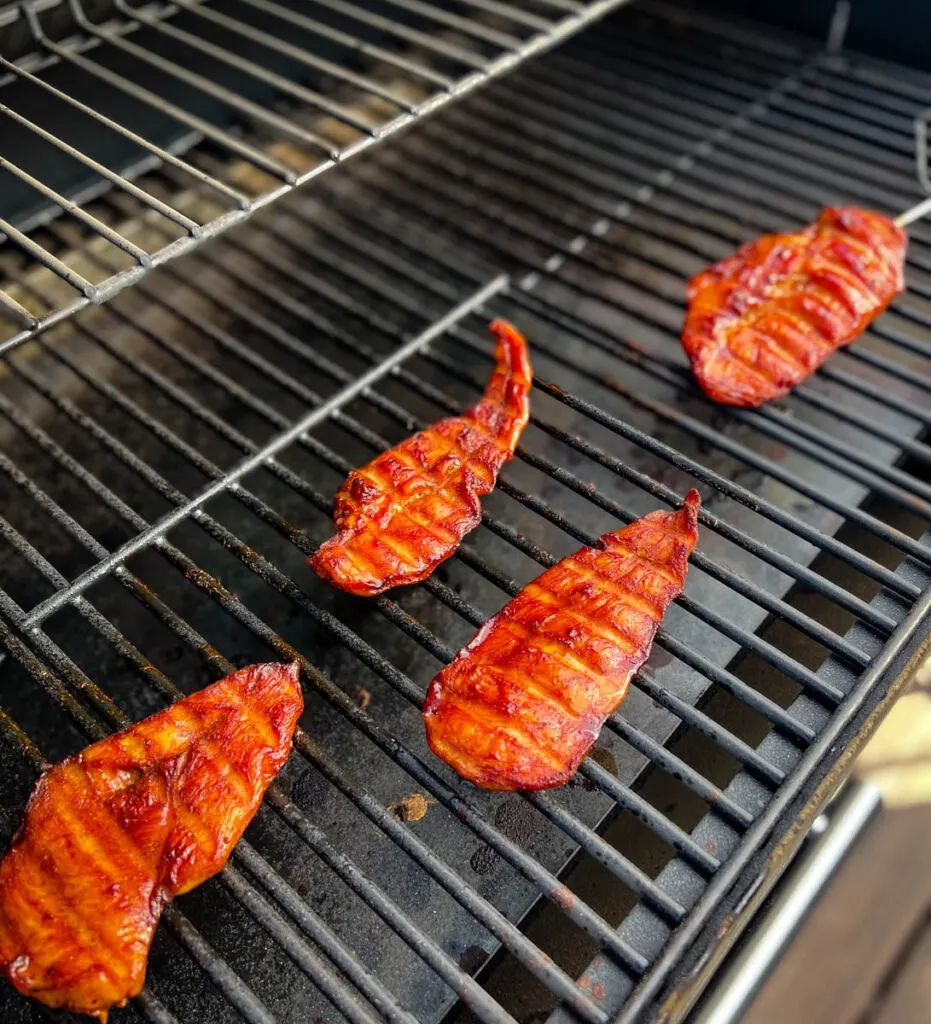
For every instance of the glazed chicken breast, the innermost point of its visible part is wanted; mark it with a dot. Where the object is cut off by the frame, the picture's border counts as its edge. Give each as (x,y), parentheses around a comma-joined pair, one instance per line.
(761,321)
(524,702)
(404,513)
(112,834)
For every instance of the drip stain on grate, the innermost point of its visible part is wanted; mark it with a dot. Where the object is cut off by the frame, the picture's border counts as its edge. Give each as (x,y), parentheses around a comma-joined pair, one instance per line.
(599,183)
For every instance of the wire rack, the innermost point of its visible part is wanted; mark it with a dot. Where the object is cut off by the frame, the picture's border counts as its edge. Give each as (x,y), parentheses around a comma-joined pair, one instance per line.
(181,445)
(121,88)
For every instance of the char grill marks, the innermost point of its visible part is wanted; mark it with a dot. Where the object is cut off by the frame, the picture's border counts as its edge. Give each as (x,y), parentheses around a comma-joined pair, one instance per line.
(763,320)
(112,834)
(523,703)
(408,509)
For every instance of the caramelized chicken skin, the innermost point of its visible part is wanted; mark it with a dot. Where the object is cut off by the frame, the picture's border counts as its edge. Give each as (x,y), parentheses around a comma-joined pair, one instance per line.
(112,834)
(523,703)
(763,320)
(406,511)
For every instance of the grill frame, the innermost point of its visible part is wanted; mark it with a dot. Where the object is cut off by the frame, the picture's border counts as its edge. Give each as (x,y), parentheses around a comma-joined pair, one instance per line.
(794,804)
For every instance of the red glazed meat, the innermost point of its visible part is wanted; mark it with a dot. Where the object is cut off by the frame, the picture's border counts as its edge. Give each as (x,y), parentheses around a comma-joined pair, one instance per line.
(112,834)
(763,320)
(406,511)
(523,703)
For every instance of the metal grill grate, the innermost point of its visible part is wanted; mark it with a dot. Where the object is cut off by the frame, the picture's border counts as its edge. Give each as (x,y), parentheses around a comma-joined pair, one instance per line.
(109,89)
(182,444)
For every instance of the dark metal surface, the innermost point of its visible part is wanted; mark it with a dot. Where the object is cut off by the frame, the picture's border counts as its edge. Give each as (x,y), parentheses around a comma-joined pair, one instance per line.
(180,447)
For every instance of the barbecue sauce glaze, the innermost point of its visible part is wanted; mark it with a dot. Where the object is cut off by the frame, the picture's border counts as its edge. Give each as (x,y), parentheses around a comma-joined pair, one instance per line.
(523,703)
(763,320)
(406,511)
(112,834)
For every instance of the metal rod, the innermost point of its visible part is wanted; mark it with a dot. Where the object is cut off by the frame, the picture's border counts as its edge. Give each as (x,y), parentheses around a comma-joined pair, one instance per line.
(97,226)
(250,67)
(302,21)
(282,441)
(773,469)
(117,179)
(232,345)
(166,156)
(297,53)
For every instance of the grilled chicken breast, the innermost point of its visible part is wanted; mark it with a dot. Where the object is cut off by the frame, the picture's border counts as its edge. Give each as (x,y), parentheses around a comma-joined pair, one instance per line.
(763,320)
(113,833)
(407,510)
(523,703)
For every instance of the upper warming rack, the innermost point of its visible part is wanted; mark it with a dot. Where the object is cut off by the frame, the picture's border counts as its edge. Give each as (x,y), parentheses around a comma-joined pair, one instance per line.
(95,93)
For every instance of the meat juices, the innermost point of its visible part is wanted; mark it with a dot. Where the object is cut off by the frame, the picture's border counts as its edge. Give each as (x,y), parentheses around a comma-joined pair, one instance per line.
(523,703)
(112,834)
(405,512)
(764,319)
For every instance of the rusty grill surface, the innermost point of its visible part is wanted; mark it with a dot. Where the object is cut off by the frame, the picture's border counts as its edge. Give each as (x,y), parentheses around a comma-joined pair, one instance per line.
(170,459)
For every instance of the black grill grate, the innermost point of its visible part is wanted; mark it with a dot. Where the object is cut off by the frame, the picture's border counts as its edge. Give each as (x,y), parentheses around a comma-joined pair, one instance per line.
(183,442)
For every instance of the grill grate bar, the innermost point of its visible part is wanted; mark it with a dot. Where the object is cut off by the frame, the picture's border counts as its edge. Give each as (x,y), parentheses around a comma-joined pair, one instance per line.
(463,55)
(792,568)
(476,69)
(225,139)
(95,225)
(301,20)
(871,523)
(116,179)
(472,28)
(230,344)
(631,875)
(249,108)
(231,543)
(366,84)
(831,452)
(166,157)
(509,11)
(19,314)
(285,85)
(305,423)
(47,260)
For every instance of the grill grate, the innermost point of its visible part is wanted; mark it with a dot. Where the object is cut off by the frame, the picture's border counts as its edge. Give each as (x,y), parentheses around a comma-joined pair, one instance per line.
(182,443)
(127,88)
